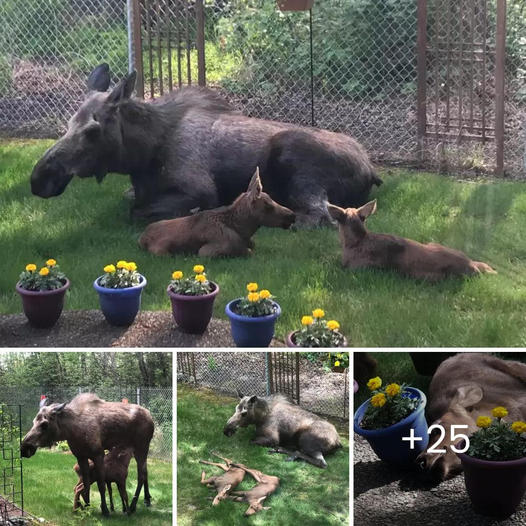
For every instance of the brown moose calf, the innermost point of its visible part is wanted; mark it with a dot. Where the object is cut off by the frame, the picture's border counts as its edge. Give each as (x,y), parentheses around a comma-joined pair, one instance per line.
(266,485)
(226,482)
(116,463)
(363,249)
(225,231)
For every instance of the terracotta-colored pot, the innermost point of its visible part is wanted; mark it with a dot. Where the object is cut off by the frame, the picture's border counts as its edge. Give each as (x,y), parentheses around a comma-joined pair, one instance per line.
(290,341)
(295,5)
(43,307)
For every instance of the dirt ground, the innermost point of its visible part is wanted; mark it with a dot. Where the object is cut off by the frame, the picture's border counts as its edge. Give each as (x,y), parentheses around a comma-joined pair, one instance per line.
(390,497)
(88,328)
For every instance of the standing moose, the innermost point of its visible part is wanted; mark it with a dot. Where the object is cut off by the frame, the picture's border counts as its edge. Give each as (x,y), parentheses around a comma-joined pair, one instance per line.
(91,425)
(190,149)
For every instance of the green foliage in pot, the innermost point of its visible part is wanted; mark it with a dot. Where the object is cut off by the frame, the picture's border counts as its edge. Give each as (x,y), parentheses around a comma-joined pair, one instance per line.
(49,277)
(496,439)
(255,304)
(197,285)
(316,332)
(120,276)
(388,405)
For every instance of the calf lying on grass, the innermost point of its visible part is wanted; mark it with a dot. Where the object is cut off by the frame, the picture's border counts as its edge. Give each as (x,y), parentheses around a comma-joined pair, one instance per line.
(223,484)
(116,463)
(362,249)
(225,231)
(281,424)
(266,485)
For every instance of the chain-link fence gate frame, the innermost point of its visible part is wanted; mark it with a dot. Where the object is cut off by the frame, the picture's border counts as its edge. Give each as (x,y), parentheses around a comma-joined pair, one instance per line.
(158,400)
(263,373)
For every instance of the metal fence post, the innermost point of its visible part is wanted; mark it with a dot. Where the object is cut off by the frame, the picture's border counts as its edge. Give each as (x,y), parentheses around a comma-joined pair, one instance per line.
(138,396)
(200,42)
(267,371)
(500,57)
(421,78)
(135,44)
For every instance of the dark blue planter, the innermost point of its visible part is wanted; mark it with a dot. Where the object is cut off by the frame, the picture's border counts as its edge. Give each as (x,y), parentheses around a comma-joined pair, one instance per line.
(120,306)
(252,332)
(387,443)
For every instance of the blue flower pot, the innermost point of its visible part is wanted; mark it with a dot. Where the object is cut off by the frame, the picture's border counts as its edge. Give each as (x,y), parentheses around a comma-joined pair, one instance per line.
(387,443)
(252,332)
(120,306)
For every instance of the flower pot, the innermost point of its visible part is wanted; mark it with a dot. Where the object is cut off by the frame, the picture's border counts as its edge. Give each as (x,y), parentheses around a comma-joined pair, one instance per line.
(295,5)
(120,306)
(387,443)
(495,487)
(252,332)
(338,369)
(291,340)
(426,363)
(192,314)
(43,307)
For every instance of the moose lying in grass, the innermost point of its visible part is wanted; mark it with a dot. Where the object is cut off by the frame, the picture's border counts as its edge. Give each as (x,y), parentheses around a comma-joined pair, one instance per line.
(116,463)
(190,149)
(464,387)
(90,426)
(364,249)
(225,483)
(225,231)
(286,427)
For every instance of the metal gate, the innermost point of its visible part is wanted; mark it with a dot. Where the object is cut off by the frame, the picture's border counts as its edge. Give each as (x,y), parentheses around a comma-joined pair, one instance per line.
(186,365)
(283,370)
(11,478)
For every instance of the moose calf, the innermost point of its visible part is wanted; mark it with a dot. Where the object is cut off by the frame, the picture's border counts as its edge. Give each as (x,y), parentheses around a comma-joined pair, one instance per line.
(266,485)
(232,477)
(225,231)
(363,249)
(116,463)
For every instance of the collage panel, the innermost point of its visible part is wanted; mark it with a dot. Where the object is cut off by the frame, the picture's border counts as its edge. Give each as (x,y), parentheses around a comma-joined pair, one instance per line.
(68,417)
(440,435)
(263,435)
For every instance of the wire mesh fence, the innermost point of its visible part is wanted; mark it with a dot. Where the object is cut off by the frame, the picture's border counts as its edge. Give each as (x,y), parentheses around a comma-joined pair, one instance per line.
(157,400)
(319,391)
(347,65)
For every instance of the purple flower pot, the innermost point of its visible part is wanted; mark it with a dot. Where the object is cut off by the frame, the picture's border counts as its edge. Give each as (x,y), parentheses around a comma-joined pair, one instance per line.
(495,488)
(192,314)
(291,343)
(43,307)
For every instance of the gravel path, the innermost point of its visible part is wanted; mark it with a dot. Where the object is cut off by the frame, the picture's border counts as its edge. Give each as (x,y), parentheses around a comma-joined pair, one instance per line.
(88,328)
(389,497)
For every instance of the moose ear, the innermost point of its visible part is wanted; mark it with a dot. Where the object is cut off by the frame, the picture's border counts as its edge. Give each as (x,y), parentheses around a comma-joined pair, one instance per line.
(240,394)
(337,213)
(366,210)
(255,187)
(43,402)
(124,89)
(99,78)
(253,399)
(467,396)
(59,408)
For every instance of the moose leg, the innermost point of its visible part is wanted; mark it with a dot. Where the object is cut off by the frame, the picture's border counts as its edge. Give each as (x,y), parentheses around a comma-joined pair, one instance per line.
(84,471)
(293,455)
(124,496)
(101,483)
(77,490)
(110,495)
(221,495)
(142,479)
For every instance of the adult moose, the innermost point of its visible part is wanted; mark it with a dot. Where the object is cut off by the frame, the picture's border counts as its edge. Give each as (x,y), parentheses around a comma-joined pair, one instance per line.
(191,150)
(91,425)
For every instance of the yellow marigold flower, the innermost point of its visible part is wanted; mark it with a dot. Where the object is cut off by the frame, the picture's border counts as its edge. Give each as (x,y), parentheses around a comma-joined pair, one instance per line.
(109,269)
(378,400)
(307,320)
(392,389)
(374,383)
(499,412)
(200,277)
(336,363)
(44,271)
(252,287)
(519,427)
(51,262)
(199,269)
(122,264)
(177,274)
(31,267)
(483,421)
(132,267)
(318,313)
(264,294)
(333,325)
(253,297)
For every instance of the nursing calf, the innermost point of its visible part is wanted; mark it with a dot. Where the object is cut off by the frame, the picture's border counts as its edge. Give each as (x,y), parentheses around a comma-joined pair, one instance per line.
(283,425)
(364,249)
(225,231)
(463,388)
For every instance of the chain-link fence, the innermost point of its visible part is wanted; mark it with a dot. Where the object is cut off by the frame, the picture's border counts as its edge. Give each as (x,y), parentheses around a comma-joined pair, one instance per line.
(157,400)
(321,392)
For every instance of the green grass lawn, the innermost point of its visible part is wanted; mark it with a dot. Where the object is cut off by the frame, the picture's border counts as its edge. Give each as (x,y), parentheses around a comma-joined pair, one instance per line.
(48,493)
(89,226)
(308,496)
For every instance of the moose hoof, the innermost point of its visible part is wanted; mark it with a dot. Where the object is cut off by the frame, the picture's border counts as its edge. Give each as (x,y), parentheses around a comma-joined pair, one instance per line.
(105,512)
(147,503)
